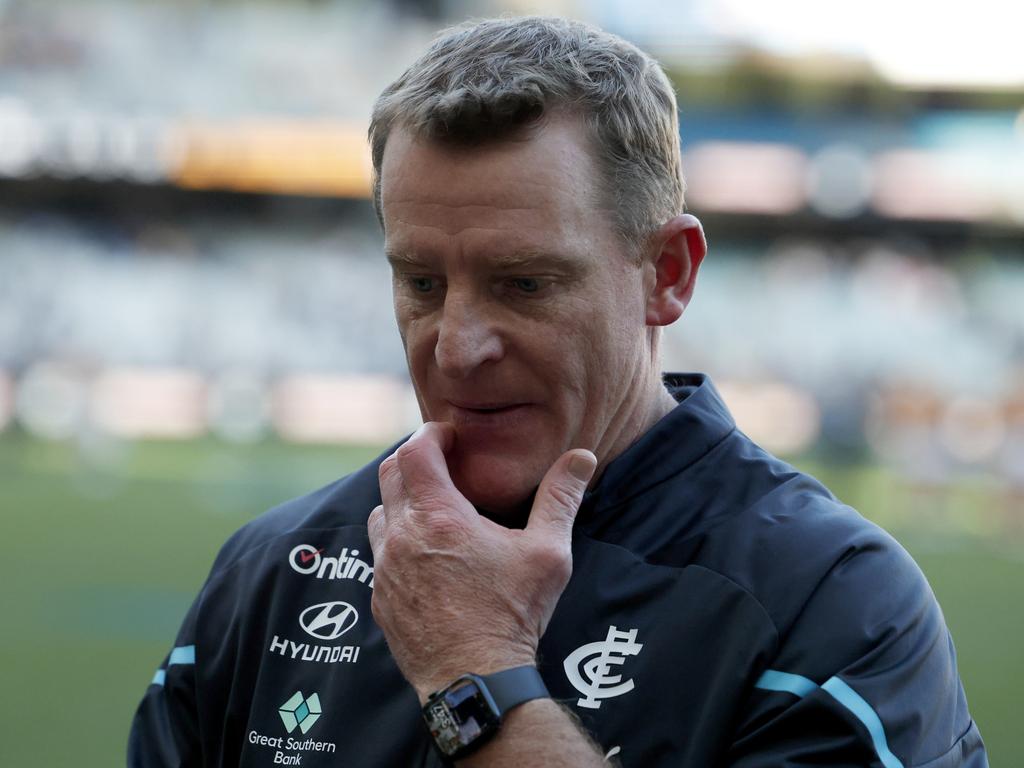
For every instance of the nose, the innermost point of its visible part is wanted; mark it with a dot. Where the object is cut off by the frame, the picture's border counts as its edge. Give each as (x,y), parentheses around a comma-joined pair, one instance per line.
(468,336)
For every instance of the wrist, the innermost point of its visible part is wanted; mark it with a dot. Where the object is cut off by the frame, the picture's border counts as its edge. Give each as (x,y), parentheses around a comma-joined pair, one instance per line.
(479,663)
(467,713)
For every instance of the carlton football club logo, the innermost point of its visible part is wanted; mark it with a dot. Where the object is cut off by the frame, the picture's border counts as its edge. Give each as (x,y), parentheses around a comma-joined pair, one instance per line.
(589,667)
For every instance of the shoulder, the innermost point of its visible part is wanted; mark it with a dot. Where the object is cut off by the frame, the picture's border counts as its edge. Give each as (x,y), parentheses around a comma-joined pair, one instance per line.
(344,502)
(860,633)
(696,491)
(791,542)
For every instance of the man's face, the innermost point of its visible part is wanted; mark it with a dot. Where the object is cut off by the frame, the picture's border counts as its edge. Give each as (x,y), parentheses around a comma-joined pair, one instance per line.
(522,314)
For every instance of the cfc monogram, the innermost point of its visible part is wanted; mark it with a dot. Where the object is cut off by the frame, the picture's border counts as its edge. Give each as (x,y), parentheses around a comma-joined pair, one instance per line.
(589,667)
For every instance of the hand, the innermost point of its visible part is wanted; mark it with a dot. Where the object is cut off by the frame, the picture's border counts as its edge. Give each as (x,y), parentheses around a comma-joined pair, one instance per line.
(453,591)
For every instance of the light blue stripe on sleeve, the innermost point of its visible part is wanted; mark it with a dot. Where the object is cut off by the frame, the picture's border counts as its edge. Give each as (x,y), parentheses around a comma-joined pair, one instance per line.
(784,682)
(798,685)
(853,701)
(183,654)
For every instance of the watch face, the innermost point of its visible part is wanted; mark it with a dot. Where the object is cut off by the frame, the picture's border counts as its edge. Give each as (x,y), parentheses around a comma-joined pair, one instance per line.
(461,716)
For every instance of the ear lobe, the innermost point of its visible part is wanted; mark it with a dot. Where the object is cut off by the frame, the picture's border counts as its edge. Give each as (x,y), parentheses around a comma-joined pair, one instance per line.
(681,248)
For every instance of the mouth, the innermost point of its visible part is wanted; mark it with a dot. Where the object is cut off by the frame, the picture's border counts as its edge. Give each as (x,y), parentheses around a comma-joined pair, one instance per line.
(489,414)
(484,407)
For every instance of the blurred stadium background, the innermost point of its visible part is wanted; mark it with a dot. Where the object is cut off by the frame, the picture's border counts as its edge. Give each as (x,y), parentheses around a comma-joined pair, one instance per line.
(195,318)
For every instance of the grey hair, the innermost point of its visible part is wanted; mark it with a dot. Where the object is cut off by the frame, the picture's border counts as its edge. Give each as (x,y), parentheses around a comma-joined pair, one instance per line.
(489,80)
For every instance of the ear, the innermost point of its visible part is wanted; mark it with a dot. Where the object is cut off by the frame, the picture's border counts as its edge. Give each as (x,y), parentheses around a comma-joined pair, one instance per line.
(678,249)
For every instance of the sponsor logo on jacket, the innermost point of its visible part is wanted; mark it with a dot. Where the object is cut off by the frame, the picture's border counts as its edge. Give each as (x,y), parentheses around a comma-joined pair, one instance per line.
(328,621)
(323,621)
(327,654)
(310,561)
(297,713)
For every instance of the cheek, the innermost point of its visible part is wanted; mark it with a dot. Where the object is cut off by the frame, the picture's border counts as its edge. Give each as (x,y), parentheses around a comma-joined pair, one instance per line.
(601,340)
(604,357)
(417,340)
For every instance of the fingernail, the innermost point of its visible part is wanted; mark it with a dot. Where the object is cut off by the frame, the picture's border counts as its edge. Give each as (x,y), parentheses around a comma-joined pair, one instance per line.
(582,466)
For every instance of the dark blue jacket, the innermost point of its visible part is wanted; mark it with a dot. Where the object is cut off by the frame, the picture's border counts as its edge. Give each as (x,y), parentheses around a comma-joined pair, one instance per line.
(724,609)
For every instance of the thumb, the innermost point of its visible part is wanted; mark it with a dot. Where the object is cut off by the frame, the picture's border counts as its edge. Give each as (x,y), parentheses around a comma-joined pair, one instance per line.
(560,493)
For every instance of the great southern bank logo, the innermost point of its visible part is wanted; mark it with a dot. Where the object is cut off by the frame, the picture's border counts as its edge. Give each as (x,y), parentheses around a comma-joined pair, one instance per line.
(310,561)
(300,713)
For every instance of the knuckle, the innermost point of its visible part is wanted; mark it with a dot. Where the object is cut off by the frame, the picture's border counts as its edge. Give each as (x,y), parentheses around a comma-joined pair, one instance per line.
(376,530)
(377,608)
(407,450)
(381,557)
(566,495)
(388,466)
(562,572)
(395,548)
(410,457)
(437,522)
(552,558)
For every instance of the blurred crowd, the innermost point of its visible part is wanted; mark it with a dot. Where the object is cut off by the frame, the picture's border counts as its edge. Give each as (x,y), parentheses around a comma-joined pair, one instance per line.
(852,346)
(829,329)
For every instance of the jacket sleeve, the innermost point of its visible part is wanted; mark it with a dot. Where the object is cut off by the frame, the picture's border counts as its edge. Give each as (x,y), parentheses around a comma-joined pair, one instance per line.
(865,676)
(165,731)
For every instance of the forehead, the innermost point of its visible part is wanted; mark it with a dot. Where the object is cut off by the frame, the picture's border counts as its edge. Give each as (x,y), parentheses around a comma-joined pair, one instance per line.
(532,189)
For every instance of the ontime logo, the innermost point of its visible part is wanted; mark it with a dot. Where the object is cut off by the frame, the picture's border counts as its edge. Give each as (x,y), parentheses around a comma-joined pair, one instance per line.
(310,561)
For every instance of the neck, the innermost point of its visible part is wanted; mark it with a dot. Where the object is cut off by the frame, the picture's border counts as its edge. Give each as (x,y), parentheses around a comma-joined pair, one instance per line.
(635,423)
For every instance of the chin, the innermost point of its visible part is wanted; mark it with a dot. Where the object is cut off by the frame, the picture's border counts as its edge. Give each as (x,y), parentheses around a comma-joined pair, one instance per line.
(497,486)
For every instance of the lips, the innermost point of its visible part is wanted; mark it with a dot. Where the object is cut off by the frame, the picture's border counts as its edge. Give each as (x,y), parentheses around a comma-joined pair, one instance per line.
(486,407)
(486,414)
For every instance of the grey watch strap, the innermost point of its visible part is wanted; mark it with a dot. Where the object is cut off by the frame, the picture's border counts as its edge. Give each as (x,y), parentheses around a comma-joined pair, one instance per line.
(512,687)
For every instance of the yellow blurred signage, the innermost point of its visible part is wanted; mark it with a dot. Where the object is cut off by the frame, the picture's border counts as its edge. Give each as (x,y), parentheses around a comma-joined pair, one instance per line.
(323,158)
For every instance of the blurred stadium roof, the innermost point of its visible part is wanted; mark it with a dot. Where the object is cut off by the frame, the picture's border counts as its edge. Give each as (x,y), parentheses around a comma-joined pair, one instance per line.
(911,42)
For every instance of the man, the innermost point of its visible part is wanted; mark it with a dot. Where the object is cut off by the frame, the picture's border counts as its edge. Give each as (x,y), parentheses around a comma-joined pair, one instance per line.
(573,561)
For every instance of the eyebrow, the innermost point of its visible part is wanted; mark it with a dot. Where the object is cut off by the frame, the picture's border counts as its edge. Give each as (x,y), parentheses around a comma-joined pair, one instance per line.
(403,259)
(529,258)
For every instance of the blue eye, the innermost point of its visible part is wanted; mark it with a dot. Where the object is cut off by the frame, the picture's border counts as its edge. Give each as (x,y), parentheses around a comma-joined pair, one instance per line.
(422,284)
(526,284)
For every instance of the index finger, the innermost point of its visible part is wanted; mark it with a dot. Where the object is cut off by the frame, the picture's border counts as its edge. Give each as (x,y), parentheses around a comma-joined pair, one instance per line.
(392,488)
(423,467)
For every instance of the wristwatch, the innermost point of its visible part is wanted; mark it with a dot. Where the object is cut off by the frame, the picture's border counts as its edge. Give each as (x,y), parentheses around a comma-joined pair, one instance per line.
(465,715)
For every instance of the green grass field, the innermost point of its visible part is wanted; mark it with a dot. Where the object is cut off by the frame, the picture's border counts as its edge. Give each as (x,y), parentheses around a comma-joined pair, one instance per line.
(104,545)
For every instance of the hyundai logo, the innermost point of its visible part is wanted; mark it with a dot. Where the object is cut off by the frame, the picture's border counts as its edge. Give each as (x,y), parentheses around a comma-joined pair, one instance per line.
(326,621)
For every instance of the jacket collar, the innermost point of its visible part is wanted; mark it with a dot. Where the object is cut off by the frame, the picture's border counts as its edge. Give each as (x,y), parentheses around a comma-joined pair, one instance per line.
(699,422)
